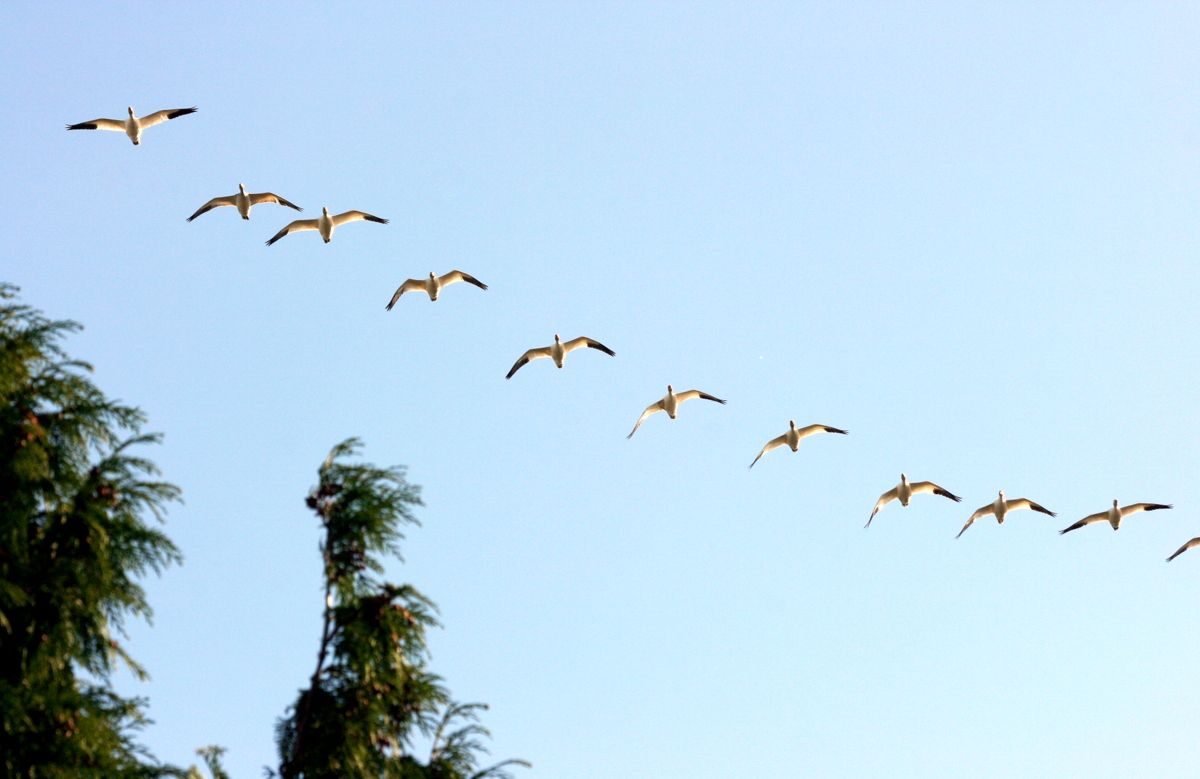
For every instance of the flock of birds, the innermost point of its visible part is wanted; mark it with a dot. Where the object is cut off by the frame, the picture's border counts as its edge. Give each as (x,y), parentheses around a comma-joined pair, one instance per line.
(243,201)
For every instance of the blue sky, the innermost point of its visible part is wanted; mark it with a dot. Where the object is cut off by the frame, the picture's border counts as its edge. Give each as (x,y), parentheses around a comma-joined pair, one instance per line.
(965,232)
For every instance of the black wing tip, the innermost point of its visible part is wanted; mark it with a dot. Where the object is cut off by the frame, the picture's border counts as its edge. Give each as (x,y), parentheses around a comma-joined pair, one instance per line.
(82,126)
(836,430)
(378,219)
(1157,506)
(182,112)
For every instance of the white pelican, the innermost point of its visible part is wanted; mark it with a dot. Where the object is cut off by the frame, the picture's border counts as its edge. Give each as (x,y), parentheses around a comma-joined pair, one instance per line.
(1184,548)
(134,125)
(1001,506)
(904,492)
(244,202)
(433,285)
(558,352)
(670,404)
(325,224)
(1114,515)
(793,436)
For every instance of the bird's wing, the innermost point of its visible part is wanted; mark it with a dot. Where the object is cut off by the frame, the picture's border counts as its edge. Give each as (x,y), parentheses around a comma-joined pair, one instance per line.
(531,354)
(1026,503)
(271,197)
(928,486)
(1184,548)
(582,341)
(982,511)
(1088,520)
(457,275)
(806,431)
(412,285)
(216,202)
(774,443)
(158,117)
(884,499)
(355,216)
(1134,508)
(298,226)
(651,409)
(689,394)
(115,125)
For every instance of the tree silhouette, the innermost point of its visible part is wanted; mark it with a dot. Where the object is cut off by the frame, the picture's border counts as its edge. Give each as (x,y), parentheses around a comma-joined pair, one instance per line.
(75,501)
(371,696)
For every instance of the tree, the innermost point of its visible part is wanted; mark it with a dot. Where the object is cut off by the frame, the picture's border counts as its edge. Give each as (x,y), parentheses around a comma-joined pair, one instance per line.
(74,540)
(371,696)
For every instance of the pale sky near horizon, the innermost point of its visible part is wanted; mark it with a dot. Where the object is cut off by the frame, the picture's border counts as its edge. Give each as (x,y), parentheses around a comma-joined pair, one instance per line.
(967,233)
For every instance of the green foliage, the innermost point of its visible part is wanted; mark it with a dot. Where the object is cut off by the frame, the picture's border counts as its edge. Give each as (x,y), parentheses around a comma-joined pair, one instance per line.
(371,695)
(74,541)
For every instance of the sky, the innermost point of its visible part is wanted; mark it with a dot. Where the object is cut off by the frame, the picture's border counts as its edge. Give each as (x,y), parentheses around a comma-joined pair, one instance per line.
(967,233)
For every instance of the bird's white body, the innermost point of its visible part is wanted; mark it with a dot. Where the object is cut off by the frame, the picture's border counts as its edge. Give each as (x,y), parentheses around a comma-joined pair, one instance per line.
(1114,515)
(433,287)
(557,352)
(670,402)
(133,128)
(904,490)
(242,201)
(1000,507)
(325,225)
(793,436)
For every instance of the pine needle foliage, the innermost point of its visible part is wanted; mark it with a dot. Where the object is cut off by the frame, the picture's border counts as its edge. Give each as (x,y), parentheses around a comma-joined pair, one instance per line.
(75,540)
(371,697)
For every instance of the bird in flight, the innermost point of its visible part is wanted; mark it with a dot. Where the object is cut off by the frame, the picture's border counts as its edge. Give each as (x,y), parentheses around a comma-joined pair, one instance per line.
(1001,506)
(433,285)
(133,125)
(243,201)
(904,492)
(670,404)
(558,352)
(1114,515)
(794,435)
(326,224)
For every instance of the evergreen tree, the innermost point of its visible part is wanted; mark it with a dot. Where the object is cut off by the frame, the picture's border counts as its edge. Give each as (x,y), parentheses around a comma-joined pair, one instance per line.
(74,540)
(371,696)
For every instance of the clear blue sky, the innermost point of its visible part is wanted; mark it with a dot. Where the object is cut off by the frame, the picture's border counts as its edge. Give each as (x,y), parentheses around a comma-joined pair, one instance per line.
(966,232)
